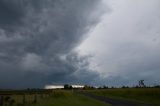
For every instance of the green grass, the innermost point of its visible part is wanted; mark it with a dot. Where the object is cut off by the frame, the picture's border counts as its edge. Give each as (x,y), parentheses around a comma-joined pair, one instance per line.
(146,95)
(52,98)
(67,98)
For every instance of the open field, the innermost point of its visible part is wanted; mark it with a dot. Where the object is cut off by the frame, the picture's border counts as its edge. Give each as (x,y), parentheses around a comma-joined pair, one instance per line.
(146,95)
(54,98)
(67,98)
(76,98)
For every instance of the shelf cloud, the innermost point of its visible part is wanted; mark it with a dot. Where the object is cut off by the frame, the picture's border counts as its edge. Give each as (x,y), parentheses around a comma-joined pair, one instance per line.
(37,41)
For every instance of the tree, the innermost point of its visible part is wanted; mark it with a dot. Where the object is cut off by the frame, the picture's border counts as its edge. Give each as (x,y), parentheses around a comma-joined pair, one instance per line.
(66,86)
(105,87)
(141,83)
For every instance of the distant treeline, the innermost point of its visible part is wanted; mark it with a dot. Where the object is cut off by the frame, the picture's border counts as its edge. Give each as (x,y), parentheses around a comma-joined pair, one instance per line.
(86,87)
(113,87)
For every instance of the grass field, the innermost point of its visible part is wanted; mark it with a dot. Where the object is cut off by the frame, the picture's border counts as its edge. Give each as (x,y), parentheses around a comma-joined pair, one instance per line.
(67,98)
(146,95)
(54,98)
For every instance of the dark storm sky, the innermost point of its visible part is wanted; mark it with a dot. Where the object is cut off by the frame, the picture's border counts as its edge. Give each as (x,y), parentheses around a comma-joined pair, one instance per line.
(37,41)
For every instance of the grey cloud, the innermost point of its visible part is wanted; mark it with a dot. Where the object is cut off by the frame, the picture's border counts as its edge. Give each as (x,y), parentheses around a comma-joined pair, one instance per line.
(127,46)
(37,39)
(11,13)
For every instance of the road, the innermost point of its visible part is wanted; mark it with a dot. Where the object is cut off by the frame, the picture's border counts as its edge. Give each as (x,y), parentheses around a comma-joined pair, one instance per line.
(115,102)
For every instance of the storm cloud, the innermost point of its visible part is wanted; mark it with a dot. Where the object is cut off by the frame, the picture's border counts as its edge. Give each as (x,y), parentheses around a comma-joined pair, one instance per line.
(37,41)
(97,42)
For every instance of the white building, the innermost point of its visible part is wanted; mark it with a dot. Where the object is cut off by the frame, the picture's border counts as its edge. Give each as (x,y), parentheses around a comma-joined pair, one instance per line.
(77,86)
(62,86)
(54,86)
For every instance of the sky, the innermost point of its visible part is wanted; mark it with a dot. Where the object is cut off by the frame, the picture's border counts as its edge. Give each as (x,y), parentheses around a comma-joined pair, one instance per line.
(95,42)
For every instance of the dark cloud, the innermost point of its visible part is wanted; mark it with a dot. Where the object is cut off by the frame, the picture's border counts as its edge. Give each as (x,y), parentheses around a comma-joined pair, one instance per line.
(11,13)
(37,41)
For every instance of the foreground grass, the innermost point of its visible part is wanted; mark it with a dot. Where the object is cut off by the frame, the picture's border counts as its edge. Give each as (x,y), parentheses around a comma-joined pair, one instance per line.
(67,98)
(146,95)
